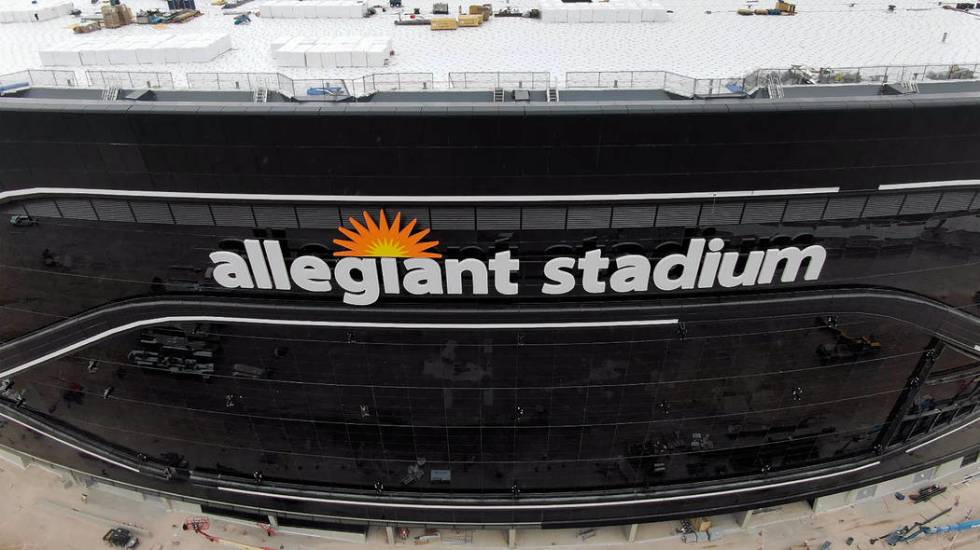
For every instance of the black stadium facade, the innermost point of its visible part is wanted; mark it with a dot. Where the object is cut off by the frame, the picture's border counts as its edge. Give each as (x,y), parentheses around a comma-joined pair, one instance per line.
(561,315)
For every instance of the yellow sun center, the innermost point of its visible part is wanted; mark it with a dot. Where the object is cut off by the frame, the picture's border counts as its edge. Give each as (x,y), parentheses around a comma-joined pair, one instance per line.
(386,247)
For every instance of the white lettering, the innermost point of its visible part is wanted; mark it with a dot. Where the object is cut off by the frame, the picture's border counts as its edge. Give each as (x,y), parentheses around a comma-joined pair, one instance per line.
(590,265)
(726,274)
(632,274)
(310,273)
(277,264)
(360,291)
(256,260)
(231,270)
(423,277)
(562,282)
(703,265)
(710,266)
(389,274)
(793,258)
(476,269)
(503,266)
(687,262)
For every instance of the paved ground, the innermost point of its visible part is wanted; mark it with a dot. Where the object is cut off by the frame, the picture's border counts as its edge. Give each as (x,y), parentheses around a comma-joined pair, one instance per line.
(40,511)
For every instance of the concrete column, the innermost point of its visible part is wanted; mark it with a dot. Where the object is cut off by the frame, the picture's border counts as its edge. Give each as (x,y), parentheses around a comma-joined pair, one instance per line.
(122,492)
(14,459)
(947,468)
(512,538)
(631,531)
(830,502)
(390,534)
(273,521)
(743,518)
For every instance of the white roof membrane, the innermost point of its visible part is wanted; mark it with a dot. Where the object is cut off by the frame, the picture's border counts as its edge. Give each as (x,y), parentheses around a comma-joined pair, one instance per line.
(691,41)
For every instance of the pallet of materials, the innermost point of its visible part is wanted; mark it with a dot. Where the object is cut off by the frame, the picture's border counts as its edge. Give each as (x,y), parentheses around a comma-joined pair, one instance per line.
(470,20)
(232,4)
(183,16)
(137,49)
(444,24)
(485,10)
(614,11)
(413,20)
(156,17)
(334,51)
(115,16)
(314,9)
(23,11)
(87,27)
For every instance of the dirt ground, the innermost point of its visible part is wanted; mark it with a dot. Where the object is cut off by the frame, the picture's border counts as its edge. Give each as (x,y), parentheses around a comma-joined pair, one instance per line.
(42,511)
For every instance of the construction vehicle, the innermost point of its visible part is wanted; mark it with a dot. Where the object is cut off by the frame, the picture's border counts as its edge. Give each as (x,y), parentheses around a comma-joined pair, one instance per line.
(121,538)
(846,347)
(907,533)
(952,528)
(200,525)
(20,220)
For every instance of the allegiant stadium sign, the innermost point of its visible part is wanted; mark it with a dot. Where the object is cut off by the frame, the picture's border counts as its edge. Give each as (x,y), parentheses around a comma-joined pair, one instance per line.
(382,258)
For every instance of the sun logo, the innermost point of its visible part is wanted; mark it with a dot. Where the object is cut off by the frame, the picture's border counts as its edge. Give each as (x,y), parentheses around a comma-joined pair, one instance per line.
(383,240)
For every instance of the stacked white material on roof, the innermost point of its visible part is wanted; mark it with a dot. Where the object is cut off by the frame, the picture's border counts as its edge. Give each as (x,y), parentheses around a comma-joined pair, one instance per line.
(613,11)
(23,11)
(314,9)
(334,51)
(143,49)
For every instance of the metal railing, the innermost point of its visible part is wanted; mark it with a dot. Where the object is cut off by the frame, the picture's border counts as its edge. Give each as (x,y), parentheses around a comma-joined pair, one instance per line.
(617,79)
(129,79)
(240,81)
(322,89)
(42,77)
(489,80)
(328,89)
(700,87)
(657,80)
(898,73)
(308,89)
(392,82)
(707,87)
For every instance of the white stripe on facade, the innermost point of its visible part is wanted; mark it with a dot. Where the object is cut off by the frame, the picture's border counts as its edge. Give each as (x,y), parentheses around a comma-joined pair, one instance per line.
(413,199)
(330,324)
(652,500)
(73,446)
(395,199)
(938,437)
(927,185)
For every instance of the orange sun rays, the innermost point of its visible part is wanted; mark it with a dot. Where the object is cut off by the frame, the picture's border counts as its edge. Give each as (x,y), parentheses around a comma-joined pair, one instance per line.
(383,240)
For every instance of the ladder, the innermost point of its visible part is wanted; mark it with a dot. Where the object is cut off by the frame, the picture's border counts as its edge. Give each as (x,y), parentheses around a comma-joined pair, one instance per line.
(498,95)
(110,94)
(774,86)
(261,95)
(552,95)
(910,86)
